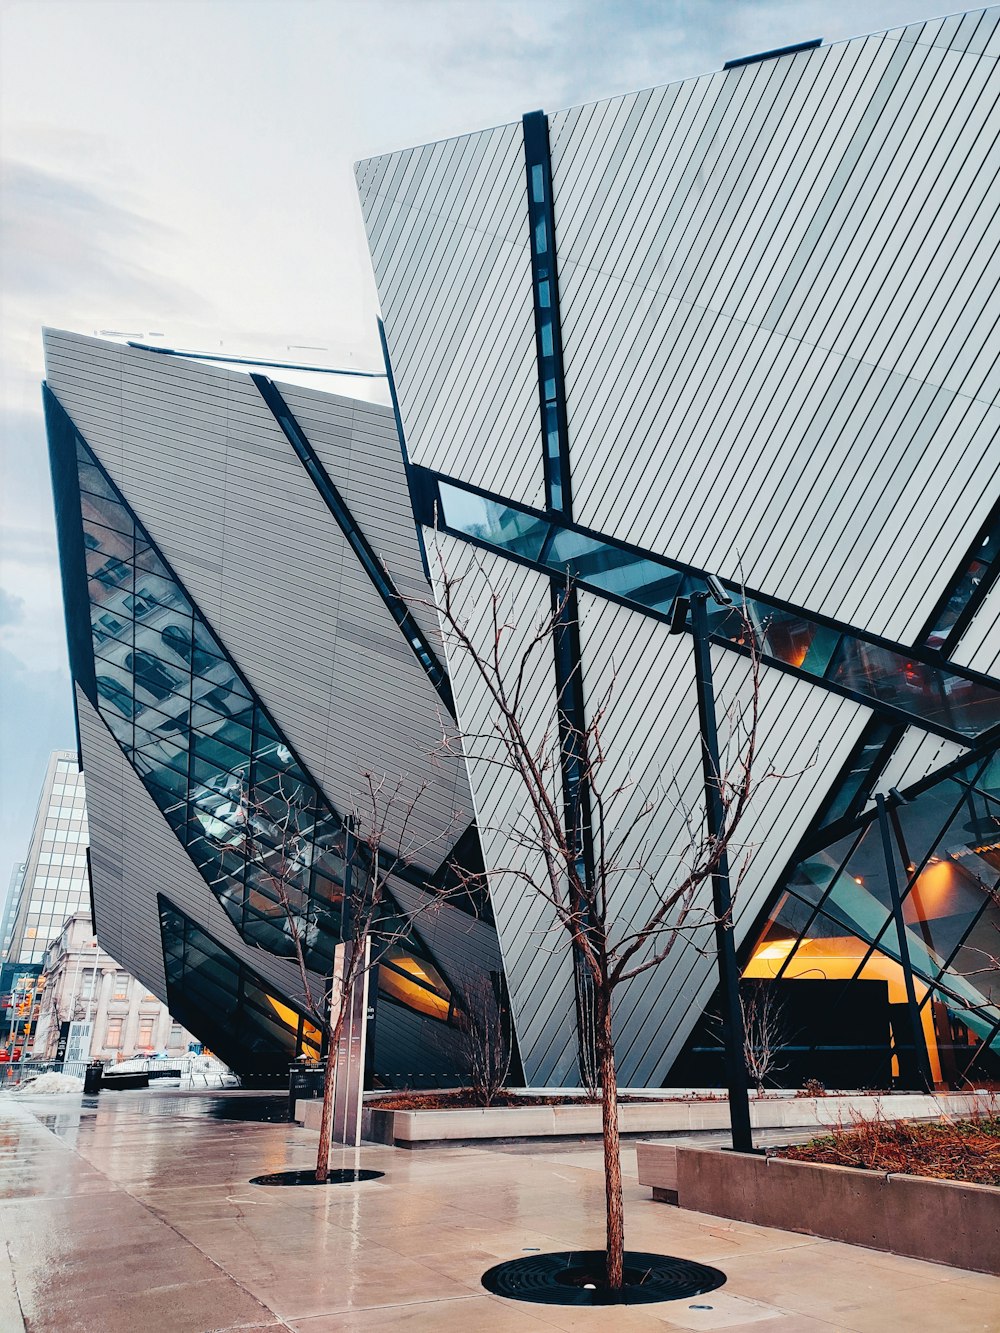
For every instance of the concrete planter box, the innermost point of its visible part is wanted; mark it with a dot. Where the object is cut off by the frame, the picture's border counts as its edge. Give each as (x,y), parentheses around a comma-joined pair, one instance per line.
(946,1221)
(417,1129)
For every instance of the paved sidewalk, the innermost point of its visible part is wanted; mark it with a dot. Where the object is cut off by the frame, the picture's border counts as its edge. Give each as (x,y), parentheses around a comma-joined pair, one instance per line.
(134,1213)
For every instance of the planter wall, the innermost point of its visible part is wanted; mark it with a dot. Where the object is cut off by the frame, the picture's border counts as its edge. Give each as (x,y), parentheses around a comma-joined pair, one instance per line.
(946,1221)
(417,1129)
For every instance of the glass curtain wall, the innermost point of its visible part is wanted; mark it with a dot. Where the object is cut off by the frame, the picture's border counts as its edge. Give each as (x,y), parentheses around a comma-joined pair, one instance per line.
(262,835)
(833,923)
(247,1026)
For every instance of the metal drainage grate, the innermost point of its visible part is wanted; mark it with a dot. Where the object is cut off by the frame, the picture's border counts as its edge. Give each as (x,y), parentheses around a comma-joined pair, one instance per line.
(578,1277)
(342,1177)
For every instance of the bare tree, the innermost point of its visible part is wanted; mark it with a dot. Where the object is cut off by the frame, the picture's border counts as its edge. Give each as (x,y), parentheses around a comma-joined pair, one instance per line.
(765,1032)
(602,806)
(486,1025)
(371,922)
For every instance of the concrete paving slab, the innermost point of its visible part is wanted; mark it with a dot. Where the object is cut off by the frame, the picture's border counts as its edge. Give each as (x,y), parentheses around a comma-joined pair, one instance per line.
(176,1240)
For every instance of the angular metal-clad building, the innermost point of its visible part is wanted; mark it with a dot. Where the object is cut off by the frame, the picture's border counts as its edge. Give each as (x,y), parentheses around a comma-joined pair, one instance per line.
(742,325)
(243,590)
(745,326)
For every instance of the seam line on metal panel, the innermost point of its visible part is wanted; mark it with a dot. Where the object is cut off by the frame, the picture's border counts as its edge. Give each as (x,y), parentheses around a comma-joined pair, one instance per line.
(358,542)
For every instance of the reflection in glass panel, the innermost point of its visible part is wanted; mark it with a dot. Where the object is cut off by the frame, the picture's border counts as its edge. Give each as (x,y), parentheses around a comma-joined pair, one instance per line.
(229,1007)
(966,586)
(188,723)
(929,693)
(492,522)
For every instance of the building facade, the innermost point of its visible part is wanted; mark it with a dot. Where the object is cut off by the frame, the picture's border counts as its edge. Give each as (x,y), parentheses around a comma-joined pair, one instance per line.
(54,882)
(251,662)
(11,904)
(739,326)
(82,985)
(743,325)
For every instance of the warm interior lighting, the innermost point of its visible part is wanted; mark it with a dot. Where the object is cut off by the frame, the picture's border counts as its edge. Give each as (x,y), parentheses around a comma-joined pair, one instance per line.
(838,957)
(312,1042)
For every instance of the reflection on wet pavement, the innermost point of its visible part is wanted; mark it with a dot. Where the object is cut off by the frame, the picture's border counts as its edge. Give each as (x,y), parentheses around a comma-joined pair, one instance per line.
(134,1211)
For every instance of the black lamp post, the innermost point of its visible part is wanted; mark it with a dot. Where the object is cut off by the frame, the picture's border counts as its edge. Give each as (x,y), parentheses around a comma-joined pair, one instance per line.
(729,976)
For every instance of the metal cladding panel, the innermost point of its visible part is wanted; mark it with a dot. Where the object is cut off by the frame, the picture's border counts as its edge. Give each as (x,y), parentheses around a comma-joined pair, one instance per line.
(463,947)
(535,949)
(778,286)
(213,479)
(448,230)
(979,646)
(644,679)
(916,755)
(358,444)
(134,856)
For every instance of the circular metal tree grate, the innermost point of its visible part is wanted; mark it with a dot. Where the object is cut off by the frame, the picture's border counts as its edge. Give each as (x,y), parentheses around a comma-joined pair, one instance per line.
(341,1177)
(578,1277)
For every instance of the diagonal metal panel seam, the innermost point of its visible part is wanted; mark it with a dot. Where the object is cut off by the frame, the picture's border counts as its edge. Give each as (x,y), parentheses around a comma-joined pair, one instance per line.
(358,542)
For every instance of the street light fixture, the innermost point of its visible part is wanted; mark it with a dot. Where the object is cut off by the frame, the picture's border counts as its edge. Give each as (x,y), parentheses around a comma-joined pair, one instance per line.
(729,975)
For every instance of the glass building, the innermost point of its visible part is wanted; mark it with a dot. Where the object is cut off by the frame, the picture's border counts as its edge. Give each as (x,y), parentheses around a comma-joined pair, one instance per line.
(54,882)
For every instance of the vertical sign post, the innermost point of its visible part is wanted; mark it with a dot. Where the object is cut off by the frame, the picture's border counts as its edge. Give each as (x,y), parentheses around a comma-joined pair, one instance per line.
(349,1056)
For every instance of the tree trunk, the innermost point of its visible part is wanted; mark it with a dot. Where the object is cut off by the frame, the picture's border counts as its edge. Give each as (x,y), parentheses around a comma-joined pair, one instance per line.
(329,1083)
(612,1145)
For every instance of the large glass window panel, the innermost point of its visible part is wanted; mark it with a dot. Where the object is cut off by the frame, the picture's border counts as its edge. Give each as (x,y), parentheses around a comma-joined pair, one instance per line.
(271,751)
(108,571)
(414,982)
(152,766)
(98,538)
(93,482)
(215,760)
(966,586)
(172,725)
(222,728)
(286,785)
(162,751)
(794,640)
(106,513)
(152,591)
(224,694)
(928,693)
(492,522)
(156,677)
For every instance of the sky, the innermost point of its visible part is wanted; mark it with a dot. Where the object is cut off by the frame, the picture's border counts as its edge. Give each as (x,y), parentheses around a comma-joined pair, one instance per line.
(183,169)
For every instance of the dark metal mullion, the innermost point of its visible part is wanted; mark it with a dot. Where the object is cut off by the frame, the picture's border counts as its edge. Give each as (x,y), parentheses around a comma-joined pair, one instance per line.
(911,880)
(816,908)
(960,943)
(986,1043)
(544,269)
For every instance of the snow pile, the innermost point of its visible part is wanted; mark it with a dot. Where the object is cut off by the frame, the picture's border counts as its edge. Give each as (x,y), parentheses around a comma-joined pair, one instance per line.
(47,1084)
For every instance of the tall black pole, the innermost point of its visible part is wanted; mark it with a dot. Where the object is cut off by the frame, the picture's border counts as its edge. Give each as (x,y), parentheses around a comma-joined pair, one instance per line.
(729,976)
(922,1081)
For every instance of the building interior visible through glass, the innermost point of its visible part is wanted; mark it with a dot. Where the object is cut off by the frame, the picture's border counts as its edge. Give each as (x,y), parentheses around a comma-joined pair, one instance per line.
(833,926)
(954,702)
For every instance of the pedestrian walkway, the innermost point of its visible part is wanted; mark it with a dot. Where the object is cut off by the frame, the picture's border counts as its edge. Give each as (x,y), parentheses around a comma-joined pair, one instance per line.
(133,1214)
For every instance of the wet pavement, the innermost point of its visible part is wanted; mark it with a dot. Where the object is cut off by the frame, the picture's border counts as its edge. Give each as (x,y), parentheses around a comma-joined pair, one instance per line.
(133,1211)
